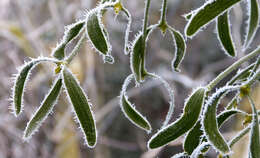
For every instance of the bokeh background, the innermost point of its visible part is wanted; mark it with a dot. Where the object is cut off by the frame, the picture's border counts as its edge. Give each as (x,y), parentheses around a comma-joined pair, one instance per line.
(29,28)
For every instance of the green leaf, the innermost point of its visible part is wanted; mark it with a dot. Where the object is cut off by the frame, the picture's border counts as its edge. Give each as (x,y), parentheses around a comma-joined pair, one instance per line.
(180,49)
(224,34)
(81,107)
(253,21)
(44,110)
(72,31)
(209,121)
(97,34)
(207,13)
(137,57)
(133,115)
(20,82)
(254,146)
(194,136)
(129,110)
(190,116)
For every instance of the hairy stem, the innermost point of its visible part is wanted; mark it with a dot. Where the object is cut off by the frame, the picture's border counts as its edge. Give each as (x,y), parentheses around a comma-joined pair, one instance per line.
(234,66)
(76,48)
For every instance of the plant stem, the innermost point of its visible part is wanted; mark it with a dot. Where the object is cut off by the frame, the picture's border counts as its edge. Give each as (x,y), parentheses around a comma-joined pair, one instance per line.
(234,66)
(76,48)
(163,12)
(146,15)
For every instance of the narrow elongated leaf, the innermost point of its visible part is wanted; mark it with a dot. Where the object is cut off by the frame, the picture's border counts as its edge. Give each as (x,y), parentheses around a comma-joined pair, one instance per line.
(72,31)
(130,112)
(20,82)
(254,135)
(98,35)
(207,13)
(190,116)
(81,107)
(44,110)
(194,136)
(224,34)
(180,49)
(253,21)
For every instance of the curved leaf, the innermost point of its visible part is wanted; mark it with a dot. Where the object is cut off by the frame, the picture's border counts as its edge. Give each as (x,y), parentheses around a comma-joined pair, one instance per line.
(194,136)
(130,112)
(81,107)
(20,82)
(44,110)
(180,49)
(190,116)
(98,35)
(253,21)
(254,135)
(209,121)
(224,34)
(207,13)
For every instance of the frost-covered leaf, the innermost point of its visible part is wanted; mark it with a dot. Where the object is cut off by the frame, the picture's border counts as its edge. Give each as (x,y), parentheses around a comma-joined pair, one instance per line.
(20,82)
(137,58)
(44,109)
(205,14)
(224,34)
(98,35)
(254,145)
(72,31)
(129,110)
(194,136)
(81,107)
(190,116)
(253,22)
(180,48)
(209,120)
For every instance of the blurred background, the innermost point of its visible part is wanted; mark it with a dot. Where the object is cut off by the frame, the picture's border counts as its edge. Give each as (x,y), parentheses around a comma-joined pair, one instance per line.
(29,28)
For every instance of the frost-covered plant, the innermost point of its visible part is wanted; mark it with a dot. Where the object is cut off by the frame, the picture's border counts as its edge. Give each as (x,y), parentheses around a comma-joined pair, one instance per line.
(199,120)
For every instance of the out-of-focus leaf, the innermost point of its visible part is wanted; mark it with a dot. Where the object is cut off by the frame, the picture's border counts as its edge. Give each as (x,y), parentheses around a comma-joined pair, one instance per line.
(81,106)
(44,110)
(190,116)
